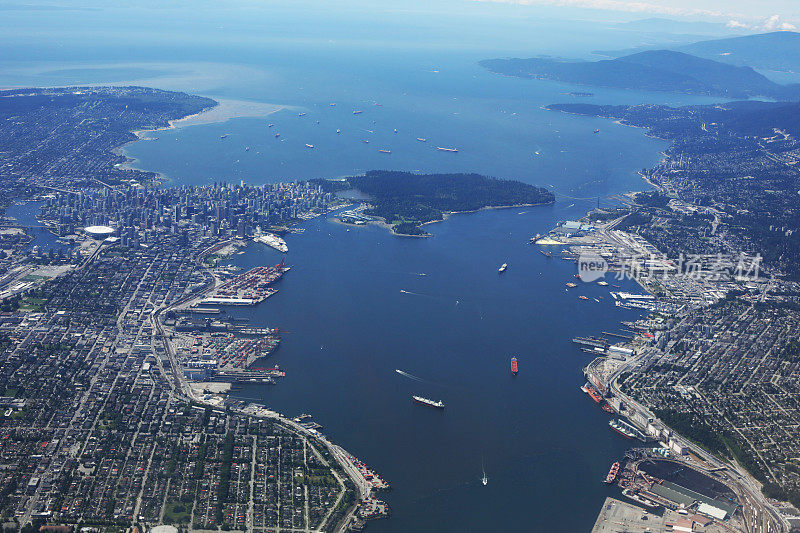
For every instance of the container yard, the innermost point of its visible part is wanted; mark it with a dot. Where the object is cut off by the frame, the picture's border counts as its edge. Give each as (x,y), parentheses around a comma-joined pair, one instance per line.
(249,288)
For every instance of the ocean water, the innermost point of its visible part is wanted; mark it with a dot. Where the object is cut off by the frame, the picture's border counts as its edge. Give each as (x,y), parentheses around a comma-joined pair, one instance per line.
(356,306)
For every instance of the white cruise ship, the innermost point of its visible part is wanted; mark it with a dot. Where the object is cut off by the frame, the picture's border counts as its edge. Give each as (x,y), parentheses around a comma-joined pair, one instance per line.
(270,239)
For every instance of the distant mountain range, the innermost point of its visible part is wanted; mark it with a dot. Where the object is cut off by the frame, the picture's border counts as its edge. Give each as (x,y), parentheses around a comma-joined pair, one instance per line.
(778,50)
(654,70)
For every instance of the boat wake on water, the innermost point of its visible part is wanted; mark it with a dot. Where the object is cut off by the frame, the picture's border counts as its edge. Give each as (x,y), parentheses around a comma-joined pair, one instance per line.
(409,376)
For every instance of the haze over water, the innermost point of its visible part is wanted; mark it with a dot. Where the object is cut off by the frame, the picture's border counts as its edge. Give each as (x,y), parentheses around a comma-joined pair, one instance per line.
(546,446)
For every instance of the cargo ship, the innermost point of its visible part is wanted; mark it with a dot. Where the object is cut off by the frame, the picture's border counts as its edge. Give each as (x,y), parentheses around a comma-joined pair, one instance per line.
(514,367)
(594,342)
(626,430)
(592,392)
(430,403)
(272,240)
(612,473)
(502,268)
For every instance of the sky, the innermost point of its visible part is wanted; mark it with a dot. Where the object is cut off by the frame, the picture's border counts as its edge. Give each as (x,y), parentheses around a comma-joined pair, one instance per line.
(762,15)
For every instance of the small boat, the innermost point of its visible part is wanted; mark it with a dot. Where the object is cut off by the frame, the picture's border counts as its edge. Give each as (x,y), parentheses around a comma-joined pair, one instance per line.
(442,149)
(309,145)
(338,131)
(420,139)
(484,479)
(301,114)
(247,149)
(602,283)
(332,104)
(502,268)
(223,136)
(270,125)
(583,297)
(514,367)
(395,130)
(546,254)
(357,112)
(277,135)
(365,141)
(597,131)
(385,151)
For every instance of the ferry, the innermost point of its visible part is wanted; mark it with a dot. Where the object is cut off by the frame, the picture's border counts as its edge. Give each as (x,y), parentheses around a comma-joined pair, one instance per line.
(420,139)
(514,367)
(430,403)
(441,149)
(502,268)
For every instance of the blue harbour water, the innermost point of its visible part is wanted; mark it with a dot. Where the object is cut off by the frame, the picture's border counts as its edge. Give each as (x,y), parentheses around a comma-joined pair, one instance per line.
(356,305)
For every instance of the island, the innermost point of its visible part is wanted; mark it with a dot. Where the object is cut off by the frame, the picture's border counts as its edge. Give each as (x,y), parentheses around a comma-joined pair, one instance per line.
(652,70)
(405,201)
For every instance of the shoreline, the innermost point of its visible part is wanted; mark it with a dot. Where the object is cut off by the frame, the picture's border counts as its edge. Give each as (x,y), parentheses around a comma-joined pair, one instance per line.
(222,111)
(614,387)
(381,222)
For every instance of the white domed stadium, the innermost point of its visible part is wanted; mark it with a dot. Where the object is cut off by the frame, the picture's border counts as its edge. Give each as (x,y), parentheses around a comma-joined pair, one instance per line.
(99,232)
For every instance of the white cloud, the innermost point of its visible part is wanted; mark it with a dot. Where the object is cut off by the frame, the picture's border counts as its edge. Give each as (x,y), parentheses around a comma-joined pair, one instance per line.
(690,8)
(774,23)
(621,5)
